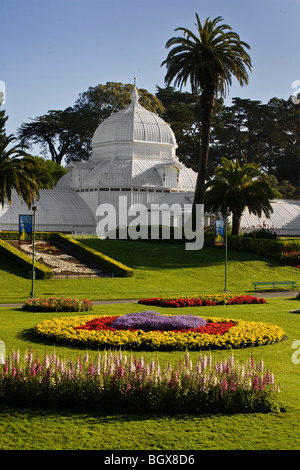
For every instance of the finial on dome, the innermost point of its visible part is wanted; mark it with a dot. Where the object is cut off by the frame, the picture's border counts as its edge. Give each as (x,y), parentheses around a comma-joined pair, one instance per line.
(134,94)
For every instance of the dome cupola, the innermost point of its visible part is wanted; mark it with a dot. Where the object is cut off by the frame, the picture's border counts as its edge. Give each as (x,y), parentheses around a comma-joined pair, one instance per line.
(133,132)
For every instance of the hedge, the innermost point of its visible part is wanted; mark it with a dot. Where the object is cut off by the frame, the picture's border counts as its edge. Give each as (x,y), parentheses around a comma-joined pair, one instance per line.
(42,271)
(93,255)
(13,235)
(271,248)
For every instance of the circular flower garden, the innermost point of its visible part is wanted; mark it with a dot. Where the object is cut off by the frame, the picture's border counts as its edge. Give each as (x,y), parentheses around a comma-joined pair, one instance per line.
(150,330)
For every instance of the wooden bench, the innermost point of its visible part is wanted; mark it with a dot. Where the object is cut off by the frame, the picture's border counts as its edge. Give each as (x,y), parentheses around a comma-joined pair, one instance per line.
(273,284)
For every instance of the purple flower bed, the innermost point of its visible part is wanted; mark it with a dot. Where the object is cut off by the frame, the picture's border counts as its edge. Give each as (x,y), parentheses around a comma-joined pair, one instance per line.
(149,321)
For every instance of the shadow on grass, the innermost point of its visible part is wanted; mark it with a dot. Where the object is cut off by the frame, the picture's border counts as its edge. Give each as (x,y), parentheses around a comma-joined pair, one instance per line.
(100,417)
(148,255)
(29,336)
(10,266)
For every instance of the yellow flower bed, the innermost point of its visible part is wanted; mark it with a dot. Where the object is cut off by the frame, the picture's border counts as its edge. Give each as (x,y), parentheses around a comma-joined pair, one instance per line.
(242,334)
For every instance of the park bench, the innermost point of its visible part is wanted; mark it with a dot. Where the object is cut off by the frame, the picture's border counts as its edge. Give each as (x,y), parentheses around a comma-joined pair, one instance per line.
(273,284)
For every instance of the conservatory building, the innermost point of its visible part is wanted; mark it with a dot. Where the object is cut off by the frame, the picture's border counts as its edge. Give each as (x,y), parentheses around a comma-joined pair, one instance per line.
(133,161)
(133,164)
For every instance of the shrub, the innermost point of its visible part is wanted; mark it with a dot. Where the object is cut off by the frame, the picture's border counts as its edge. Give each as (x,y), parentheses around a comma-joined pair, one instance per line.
(6,235)
(290,258)
(42,271)
(95,256)
(54,304)
(114,382)
(271,248)
(261,233)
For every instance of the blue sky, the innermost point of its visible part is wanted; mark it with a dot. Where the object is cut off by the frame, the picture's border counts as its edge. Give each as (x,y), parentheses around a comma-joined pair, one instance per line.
(53,50)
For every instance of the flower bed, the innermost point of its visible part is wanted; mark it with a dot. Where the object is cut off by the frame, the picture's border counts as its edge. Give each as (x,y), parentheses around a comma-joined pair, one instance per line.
(57,304)
(218,333)
(201,300)
(148,321)
(59,260)
(291,258)
(114,382)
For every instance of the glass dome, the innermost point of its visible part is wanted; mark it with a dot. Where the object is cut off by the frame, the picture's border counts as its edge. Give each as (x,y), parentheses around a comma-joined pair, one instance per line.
(285,219)
(133,125)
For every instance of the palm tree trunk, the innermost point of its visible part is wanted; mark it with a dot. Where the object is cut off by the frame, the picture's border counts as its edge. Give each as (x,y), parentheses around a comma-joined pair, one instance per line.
(236,221)
(207,103)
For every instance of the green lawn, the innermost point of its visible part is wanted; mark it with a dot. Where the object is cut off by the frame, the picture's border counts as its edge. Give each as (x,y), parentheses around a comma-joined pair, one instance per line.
(56,429)
(160,270)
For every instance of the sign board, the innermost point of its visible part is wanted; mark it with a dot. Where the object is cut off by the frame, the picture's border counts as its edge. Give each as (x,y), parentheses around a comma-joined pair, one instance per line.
(25,227)
(219,233)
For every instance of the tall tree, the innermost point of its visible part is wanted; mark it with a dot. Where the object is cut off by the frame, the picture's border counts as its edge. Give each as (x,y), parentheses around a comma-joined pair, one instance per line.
(208,60)
(54,132)
(238,131)
(236,187)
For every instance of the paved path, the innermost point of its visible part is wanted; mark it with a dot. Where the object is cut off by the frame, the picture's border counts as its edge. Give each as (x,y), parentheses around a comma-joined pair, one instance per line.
(290,293)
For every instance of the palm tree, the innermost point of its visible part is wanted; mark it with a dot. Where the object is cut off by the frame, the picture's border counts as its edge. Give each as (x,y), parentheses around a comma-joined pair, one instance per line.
(235,187)
(17,172)
(209,60)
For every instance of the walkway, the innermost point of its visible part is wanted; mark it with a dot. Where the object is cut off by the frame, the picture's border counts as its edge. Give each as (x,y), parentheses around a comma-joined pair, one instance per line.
(290,293)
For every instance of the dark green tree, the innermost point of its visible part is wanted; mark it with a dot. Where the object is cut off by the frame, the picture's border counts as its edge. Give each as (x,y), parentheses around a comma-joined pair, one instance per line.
(66,134)
(54,132)
(48,172)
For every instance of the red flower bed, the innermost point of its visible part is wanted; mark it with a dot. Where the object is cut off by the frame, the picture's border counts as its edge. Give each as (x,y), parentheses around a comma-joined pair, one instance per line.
(245,299)
(103,323)
(177,302)
(195,302)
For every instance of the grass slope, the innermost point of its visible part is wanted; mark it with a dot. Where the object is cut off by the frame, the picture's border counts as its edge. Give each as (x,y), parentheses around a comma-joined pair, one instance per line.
(160,269)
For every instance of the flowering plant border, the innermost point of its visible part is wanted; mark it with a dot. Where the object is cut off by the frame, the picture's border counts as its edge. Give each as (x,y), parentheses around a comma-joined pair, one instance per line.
(242,334)
(291,258)
(202,300)
(57,304)
(116,382)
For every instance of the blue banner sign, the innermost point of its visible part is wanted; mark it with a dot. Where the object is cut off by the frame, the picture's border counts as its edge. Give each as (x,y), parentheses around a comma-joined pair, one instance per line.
(25,227)
(219,233)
